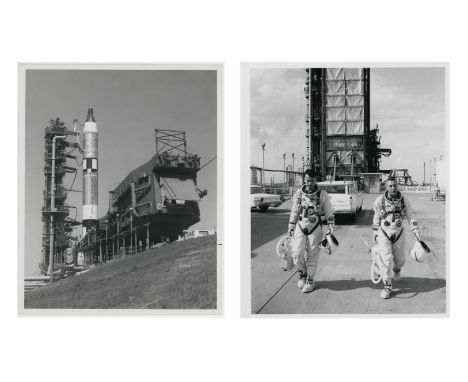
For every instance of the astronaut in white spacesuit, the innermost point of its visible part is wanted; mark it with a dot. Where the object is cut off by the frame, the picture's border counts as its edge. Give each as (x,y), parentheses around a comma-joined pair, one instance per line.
(309,204)
(389,211)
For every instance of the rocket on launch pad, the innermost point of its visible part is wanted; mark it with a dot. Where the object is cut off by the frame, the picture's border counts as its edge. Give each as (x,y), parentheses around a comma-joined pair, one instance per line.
(90,172)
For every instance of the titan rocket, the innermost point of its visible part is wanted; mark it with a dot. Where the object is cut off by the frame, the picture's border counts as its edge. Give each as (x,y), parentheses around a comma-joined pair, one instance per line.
(90,172)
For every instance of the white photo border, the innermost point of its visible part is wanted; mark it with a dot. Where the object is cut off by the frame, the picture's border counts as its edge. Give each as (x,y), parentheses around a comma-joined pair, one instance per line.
(245,229)
(219,68)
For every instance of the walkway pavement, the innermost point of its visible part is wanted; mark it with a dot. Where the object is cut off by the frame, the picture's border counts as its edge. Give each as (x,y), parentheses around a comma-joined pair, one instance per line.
(343,278)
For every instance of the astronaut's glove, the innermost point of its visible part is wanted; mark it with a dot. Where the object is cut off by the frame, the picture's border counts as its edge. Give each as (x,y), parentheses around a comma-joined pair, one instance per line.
(331,229)
(291,228)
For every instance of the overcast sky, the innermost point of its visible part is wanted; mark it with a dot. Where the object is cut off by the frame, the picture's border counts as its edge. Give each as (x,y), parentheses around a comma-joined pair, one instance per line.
(406,103)
(128,107)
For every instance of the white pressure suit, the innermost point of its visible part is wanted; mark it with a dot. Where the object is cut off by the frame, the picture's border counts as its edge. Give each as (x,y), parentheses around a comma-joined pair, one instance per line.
(307,211)
(389,214)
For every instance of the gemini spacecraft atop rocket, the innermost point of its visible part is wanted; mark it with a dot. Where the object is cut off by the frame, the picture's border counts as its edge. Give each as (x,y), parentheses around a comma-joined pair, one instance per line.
(90,172)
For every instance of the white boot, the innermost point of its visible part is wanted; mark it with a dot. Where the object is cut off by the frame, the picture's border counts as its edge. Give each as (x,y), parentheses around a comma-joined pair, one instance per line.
(387,291)
(302,279)
(309,286)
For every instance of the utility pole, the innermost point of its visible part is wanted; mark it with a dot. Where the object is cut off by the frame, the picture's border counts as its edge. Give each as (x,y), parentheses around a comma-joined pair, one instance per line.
(424,179)
(430,179)
(263,165)
(293,175)
(284,167)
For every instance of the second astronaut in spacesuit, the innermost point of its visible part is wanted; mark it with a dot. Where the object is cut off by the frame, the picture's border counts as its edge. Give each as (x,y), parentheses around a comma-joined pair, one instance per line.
(309,206)
(389,211)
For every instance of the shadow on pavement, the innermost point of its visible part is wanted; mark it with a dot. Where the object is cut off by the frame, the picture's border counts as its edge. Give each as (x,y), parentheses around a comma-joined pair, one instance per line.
(412,286)
(409,285)
(341,285)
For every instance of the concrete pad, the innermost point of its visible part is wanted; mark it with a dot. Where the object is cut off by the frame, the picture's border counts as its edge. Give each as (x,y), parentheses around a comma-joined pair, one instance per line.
(343,278)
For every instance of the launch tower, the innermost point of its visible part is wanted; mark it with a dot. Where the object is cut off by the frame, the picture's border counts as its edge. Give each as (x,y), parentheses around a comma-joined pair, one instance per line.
(339,138)
(56,225)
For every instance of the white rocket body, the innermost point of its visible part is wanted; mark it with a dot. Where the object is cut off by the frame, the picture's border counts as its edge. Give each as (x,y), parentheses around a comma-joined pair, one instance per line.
(90,172)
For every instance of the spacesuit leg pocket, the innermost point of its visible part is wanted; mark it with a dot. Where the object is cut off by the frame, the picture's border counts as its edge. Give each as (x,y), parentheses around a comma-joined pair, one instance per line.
(298,246)
(313,251)
(399,252)
(386,256)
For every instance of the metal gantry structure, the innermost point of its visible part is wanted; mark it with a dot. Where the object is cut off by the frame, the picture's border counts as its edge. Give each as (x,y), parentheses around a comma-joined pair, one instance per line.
(170,141)
(339,141)
(149,205)
(154,203)
(57,227)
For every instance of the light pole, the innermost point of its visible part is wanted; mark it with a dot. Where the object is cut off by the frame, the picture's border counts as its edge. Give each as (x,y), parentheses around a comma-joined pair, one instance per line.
(293,175)
(424,179)
(430,179)
(263,165)
(284,167)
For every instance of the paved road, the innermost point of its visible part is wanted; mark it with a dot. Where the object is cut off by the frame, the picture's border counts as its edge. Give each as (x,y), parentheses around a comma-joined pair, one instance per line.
(342,278)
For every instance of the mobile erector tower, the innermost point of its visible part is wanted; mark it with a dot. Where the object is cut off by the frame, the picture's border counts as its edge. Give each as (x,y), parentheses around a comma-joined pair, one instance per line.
(339,138)
(57,226)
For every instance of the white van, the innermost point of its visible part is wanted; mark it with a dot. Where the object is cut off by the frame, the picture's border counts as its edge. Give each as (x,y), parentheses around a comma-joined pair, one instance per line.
(344,196)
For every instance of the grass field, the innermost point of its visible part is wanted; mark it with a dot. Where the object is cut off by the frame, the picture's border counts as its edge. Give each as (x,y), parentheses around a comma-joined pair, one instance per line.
(181,275)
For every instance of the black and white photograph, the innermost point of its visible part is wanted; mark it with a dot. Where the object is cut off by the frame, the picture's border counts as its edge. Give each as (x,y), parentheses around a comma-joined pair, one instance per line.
(209,191)
(121,188)
(349,184)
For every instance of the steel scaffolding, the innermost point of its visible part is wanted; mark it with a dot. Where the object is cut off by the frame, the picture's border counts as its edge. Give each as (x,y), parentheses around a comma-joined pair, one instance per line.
(56,226)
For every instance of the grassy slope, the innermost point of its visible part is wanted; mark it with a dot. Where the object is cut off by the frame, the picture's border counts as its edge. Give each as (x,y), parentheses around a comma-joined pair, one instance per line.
(181,275)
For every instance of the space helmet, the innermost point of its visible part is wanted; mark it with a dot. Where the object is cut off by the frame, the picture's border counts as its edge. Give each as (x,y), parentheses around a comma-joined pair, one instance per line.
(283,247)
(417,252)
(283,250)
(325,247)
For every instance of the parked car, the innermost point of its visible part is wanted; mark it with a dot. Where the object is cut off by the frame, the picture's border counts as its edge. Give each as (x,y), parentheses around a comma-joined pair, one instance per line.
(344,196)
(261,200)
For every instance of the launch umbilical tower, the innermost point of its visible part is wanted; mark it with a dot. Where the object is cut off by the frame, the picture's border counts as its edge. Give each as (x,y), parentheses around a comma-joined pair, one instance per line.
(339,140)
(56,225)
